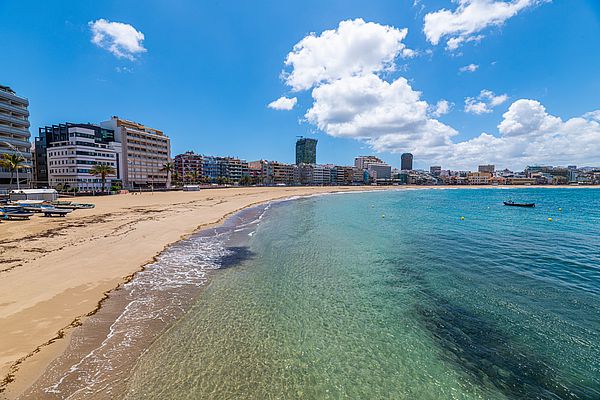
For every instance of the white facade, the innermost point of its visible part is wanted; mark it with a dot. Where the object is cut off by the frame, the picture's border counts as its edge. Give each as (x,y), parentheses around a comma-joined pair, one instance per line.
(69,162)
(145,152)
(14,135)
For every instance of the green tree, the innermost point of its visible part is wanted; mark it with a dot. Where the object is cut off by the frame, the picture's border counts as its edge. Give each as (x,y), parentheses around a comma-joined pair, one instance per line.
(13,163)
(168,168)
(246,180)
(102,171)
(175,178)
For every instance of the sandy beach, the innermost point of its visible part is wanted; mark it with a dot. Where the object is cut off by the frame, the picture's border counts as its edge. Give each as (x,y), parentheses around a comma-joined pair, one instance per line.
(56,271)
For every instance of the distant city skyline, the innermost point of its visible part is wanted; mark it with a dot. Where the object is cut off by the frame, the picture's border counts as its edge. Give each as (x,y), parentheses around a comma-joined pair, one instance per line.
(515,86)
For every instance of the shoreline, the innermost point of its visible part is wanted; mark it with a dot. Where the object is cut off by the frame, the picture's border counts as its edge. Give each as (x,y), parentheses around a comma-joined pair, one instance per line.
(25,371)
(21,367)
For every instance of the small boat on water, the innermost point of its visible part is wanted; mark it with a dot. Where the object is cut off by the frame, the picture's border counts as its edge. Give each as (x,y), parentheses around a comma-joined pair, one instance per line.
(513,204)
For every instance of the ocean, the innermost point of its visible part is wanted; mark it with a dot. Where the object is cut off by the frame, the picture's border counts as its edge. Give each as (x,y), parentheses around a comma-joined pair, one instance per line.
(408,294)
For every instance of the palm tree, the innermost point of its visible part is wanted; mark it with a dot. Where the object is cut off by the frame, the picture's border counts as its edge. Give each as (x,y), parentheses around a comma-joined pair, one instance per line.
(175,178)
(102,171)
(168,168)
(13,163)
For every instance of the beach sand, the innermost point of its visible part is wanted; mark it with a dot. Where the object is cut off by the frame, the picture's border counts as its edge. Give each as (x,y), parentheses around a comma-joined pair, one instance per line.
(56,271)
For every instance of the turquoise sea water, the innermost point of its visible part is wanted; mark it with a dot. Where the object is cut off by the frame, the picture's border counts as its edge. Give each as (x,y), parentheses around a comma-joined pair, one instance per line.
(390,295)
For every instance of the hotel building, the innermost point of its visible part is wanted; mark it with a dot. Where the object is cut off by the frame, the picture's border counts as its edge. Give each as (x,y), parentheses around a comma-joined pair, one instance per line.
(74,150)
(14,134)
(145,152)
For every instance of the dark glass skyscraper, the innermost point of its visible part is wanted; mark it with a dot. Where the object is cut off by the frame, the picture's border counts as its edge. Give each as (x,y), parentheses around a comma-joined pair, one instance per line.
(306,151)
(406,163)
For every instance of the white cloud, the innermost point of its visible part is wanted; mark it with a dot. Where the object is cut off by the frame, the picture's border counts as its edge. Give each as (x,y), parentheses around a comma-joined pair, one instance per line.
(442,107)
(469,18)
(529,135)
(121,39)
(354,48)
(469,68)
(484,103)
(389,116)
(283,103)
(351,99)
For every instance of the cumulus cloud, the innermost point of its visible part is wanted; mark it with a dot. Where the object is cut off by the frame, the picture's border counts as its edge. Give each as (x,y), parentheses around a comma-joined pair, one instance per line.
(354,48)
(469,18)
(442,107)
(389,116)
(529,135)
(283,103)
(484,103)
(122,40)
(469,68)
(354,98)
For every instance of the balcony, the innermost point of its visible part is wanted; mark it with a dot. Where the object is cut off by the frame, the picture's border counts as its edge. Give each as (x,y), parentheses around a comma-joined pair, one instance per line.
(9,130)
(15,142)
(14,120)
(12,97)
(12,108)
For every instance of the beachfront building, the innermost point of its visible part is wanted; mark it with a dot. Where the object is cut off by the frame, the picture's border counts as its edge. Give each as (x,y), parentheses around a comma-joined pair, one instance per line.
(363,162)
(233,169)
(74,147)
(479,178)
(188,167)
(380,173)
(406,162)
(490,168)
(321,175)
(83,146)
(14,135)
(435,170)
(344,175)
(145,152)
(223,169)
(271,172)
(306,151)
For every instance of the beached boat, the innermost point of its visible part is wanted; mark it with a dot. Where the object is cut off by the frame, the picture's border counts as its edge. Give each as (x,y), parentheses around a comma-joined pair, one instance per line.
(72,206)
(513,204)
(53,211)
(15,212)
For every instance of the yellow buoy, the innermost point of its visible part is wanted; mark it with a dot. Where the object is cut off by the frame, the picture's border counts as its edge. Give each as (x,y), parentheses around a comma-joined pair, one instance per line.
(550,219)
(462,218)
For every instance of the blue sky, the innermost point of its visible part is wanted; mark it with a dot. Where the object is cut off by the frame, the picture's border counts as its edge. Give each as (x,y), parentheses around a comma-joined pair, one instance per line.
(209,70)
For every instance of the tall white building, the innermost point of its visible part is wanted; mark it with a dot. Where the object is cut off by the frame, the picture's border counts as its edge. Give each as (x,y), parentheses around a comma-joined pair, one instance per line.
(14,134)
(145,152)
(70,160)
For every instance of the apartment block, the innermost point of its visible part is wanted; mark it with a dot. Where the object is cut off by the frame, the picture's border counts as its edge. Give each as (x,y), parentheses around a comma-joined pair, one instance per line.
(188,164)
(14,134)
(145,152)
(70,157)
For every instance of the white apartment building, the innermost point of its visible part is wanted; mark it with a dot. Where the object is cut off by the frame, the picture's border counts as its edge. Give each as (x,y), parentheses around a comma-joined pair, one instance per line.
(14,134)
(145,152)
(70,161)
